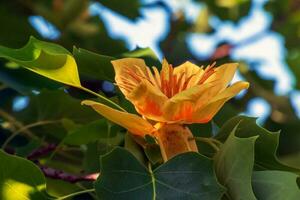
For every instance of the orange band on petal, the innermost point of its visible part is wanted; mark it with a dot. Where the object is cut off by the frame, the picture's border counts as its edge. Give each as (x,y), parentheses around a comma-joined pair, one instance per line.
(133,123)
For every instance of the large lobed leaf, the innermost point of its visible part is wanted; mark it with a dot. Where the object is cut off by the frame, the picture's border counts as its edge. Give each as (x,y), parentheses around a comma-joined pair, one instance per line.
(234,164)
(265,146)
(187,176)
(275,185)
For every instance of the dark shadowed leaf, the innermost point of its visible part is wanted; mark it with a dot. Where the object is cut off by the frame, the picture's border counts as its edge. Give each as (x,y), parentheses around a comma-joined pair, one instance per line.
(88,133)
(275,185)
(147,54)
(186,176)
(55,105)
(129,8)
(94,65)
(234,164)
(265,146)
(25,81)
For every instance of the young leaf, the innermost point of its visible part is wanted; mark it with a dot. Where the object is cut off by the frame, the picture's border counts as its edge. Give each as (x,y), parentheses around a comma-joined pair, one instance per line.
(51,61)
(47,59)
(275,185)
(234,164)
(20,179)
(265,146)
(186,176)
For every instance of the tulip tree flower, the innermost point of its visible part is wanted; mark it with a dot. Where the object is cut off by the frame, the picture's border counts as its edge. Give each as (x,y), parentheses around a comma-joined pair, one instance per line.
(169,99)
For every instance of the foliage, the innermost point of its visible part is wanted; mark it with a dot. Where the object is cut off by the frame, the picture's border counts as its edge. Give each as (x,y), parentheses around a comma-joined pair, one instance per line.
(54,148)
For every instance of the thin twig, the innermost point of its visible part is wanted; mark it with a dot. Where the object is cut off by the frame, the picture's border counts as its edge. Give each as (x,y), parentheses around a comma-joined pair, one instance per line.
(211,141)
(25,129)
(76,193)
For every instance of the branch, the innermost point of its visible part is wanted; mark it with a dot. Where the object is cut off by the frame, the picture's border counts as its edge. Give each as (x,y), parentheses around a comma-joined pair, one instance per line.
(61,175)
(55,173)
(41,151)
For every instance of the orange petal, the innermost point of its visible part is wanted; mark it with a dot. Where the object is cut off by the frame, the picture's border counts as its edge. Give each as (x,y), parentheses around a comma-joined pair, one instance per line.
(128,72)
(207,112)
(133,123)
(148,100)
(181,106)
(223,75)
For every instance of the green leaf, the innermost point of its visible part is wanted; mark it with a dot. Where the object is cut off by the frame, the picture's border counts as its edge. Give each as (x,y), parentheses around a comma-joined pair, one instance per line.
(20,179)
(13,18)
(147,54)
(275,185)
(94,65)
(234,164)
(123,7)
(55,105)
(187,176)
(265,146)
(47,59)
(134,148)
(153,153)
(88,133)
(25,81)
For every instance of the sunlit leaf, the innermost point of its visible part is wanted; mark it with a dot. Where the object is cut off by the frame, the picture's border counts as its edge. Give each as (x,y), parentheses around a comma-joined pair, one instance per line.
(20,179)
(47,59)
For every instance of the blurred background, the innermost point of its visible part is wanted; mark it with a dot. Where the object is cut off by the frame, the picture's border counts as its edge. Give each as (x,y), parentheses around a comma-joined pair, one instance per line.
(263,36)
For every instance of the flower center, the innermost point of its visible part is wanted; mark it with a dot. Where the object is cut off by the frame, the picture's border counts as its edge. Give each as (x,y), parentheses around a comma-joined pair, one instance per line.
(166,80)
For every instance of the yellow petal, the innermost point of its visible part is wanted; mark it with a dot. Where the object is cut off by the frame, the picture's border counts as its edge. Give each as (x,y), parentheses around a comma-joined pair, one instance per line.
(148,100)
(133,123)
(189,70)
(207,112)
(223,75)
(127,71)
(231,91)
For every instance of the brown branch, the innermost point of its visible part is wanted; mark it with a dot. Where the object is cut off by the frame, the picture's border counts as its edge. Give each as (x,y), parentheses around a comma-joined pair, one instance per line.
(64,176)
(55,173)
(41,151)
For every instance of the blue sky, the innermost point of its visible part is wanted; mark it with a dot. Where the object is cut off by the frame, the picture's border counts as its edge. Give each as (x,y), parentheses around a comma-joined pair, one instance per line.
(153,27)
